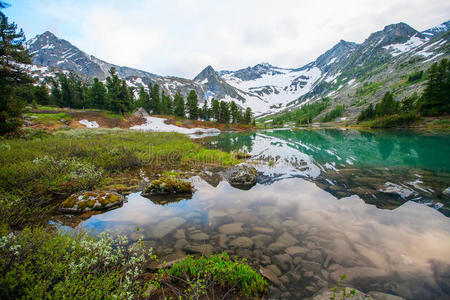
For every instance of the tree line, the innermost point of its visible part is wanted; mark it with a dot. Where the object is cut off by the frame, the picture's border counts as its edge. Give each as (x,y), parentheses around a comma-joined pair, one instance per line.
(434,101)
(67,89)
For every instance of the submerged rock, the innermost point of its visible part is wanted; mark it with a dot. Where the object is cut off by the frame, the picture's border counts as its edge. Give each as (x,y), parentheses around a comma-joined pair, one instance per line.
(446,192)
(205,249)
(88,201)
(167,226)
(233,228)
(241,176)
(242,242)
(327,294)
(270,275)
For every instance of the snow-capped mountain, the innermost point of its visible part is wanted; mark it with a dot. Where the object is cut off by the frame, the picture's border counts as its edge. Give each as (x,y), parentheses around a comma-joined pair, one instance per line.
(386,56)
(49,50)
(277,86)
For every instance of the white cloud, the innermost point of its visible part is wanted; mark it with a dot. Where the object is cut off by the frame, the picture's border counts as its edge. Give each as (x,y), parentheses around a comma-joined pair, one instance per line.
(181,37)
(121,39)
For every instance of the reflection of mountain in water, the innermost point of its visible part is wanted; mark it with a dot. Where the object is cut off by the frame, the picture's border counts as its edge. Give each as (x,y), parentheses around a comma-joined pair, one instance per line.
(384,168)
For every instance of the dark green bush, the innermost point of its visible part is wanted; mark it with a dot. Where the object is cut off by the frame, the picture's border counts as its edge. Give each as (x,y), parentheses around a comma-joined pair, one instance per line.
(398,120)
(336,112)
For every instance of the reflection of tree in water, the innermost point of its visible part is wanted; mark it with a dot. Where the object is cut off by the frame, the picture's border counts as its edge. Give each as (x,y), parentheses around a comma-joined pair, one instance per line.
(232,141)
(368,135)
(364,148)
(167,199)
(385,146)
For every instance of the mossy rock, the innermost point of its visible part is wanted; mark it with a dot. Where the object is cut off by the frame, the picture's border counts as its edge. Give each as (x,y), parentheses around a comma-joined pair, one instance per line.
(87,201)
(241,176)
(167,185)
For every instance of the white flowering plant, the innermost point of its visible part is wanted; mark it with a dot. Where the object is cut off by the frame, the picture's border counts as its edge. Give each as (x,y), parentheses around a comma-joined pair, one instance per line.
(43,263)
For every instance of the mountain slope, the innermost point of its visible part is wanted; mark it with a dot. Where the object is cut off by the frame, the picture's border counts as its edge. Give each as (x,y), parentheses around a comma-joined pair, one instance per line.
(51,54)
(348,73)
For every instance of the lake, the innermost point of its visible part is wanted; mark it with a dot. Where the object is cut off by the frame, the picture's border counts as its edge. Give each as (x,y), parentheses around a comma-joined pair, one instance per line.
(328,202)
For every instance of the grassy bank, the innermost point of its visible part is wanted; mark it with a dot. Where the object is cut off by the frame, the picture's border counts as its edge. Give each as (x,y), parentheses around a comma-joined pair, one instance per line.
(39,169)
(42,263)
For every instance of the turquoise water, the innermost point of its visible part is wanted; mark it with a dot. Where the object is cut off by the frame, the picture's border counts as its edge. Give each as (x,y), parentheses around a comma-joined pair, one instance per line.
(327,203)
(406,165)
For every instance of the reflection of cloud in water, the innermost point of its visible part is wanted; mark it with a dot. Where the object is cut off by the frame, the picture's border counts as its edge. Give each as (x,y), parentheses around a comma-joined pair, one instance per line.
(390,245)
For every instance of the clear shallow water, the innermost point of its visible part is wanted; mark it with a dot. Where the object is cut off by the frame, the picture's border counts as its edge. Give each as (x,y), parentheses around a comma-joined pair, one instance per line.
(321,209)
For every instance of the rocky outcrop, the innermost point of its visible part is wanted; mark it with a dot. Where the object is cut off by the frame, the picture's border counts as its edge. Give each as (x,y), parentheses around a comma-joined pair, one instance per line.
(86,201)
(141,113)
(241,176)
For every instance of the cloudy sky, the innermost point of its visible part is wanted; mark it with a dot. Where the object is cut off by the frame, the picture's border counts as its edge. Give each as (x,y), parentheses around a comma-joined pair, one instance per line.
(181,37)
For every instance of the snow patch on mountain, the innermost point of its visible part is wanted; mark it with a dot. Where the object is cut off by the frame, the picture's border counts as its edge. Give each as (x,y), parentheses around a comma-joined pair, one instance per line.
(413,42)
(275,85)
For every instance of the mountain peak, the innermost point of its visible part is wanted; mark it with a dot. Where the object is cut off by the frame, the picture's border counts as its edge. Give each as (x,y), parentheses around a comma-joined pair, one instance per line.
(264,65)
(392,34)
(48,33)
(206,73)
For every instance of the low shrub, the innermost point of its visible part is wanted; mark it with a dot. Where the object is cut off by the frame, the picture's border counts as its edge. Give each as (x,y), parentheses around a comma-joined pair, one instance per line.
(336,112)
(397,120)
(39,263)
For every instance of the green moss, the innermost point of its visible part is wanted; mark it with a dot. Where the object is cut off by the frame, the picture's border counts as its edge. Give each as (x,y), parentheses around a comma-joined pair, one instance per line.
(168,184)
(109,198)
(86,204)
(70,202)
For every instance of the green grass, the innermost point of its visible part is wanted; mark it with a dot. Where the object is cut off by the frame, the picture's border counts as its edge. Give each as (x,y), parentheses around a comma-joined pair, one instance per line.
(36,169)
(48,108)
(220,270)
(49,118)
(368,89)
(113,115)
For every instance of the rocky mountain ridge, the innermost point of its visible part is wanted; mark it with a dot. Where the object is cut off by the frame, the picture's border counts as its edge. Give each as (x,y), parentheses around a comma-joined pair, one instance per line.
(340,71)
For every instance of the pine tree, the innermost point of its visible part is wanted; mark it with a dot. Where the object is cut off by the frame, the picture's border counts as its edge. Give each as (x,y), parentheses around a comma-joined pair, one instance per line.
(144,99)
(165,105)
(114,86)
(367,114)
(436,96)
(12,75)
(224,112)
(179,106)
(41,94)
(192,105)
(387,106)
(125,98)
(248,116)
(97,95)
(155,99)
(205,111)
(215,109)
(234,112)
(55,92)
